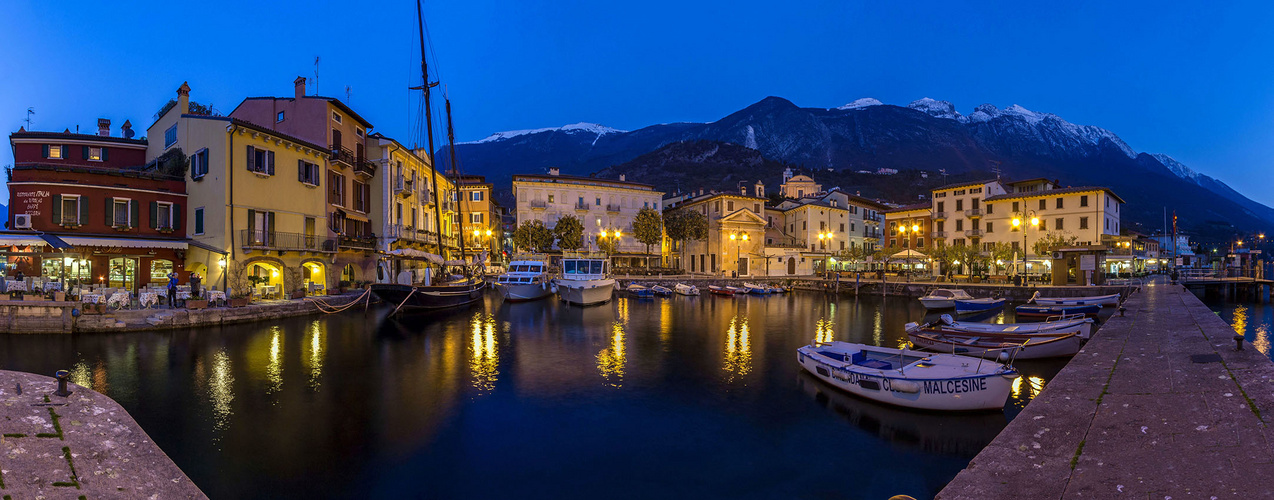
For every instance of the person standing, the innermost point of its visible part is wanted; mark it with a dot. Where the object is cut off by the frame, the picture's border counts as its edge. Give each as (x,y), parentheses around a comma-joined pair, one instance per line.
(172,289)
(195,280)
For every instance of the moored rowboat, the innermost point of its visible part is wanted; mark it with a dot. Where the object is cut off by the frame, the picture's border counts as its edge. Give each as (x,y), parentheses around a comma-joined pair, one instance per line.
(1037,312)
(1040,345)
(1101,300)
(970,306)
(1080,325)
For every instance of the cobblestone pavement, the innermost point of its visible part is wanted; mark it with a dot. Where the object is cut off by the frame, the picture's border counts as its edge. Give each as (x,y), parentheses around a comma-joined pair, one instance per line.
(1159,404)
(81,446)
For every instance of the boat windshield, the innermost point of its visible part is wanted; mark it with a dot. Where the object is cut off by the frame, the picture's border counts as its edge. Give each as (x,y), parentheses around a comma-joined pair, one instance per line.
(583,267)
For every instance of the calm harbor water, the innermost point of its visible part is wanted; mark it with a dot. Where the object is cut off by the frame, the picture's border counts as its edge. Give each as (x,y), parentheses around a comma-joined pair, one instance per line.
(673,397)
(1255,321)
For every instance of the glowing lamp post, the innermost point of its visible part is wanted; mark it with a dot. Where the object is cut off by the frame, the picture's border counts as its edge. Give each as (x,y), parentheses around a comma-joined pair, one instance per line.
(1018,221)
(738,239)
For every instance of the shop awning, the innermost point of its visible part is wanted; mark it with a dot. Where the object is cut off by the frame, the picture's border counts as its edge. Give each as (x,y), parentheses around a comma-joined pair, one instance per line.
(21,240)
(91,241)
(356,216)
(55,242)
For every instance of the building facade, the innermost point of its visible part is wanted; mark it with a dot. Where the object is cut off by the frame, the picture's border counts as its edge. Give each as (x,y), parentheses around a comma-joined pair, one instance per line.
(407,198)
(737,240)
(600,204)
(483,231)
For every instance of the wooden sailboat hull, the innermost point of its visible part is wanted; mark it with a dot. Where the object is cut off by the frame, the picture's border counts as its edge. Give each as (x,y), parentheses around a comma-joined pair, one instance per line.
(427,298)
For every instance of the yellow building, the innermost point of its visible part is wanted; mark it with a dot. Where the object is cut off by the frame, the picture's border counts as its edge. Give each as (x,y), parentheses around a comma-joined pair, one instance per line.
(406,197)
(255,201)
(481,217)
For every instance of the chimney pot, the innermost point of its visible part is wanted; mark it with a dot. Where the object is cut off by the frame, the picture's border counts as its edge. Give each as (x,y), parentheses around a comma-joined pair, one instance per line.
(103,127)
(299,85)
(183,98)
(127,128)
(554,171)
(623,177)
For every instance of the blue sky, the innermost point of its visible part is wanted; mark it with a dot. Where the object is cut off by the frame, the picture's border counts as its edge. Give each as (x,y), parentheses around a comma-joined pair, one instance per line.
(1188,80)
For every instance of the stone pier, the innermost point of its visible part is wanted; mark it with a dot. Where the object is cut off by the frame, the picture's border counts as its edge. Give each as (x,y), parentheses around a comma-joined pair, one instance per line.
(1159,404)
(81,446)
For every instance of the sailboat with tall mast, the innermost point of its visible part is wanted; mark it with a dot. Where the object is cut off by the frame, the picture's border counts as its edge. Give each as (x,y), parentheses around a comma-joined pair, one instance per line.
(441,290)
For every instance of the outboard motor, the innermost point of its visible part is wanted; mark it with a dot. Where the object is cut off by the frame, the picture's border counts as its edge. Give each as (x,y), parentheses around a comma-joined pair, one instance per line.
(946,319)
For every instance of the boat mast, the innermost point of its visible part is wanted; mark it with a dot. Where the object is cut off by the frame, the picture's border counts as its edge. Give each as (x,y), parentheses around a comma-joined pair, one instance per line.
(429,126)
(455,174)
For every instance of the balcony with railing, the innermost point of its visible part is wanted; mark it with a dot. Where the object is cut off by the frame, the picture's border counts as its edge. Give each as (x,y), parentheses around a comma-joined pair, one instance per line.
(582,206)
(364,167)
(973,213)
(539,204)
(787,242)
(873,222)
(974,233)
(341,157)
(357,242)
(70,220)
(612,208)
(402,187)
(938,234)
(253,239)
(939,216)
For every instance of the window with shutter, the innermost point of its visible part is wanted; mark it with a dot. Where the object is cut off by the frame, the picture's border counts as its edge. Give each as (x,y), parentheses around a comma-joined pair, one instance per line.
(252,159)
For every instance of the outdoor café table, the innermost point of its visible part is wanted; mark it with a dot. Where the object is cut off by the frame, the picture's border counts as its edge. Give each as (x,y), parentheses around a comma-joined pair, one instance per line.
(15,285)
(52,285)
(147,299)
(183,294)
(91,298)
(118,299)
(215,295)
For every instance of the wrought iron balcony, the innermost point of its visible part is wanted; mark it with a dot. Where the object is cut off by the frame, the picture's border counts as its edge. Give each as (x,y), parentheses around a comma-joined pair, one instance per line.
(973,213)
(939,216)
(364,167)
(582,206)
(974,233)
(253,239)
(367,242)
(539,204)
(341,157)
(403,187)
(612,208)
(938,234)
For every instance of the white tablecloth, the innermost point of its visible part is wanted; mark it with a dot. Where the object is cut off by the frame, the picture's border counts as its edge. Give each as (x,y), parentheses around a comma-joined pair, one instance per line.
(147,299)
(118,299)
(14,285)
(91,298)
(52,285)
(216,295)
(183,294)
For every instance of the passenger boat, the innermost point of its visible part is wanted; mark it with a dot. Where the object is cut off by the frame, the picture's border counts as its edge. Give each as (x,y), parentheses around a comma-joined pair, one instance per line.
(943,298)
(738,290)
(526,280)
(1080,325)
(999,346)
(1101,300)
(684,289)
(661,290)
(721,290)
(1029,312)
(756,289)
(973,306)
(639,291)
(585,281)
(929,381)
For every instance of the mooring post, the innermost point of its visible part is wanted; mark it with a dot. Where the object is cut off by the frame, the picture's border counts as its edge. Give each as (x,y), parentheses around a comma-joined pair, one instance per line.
(62,375)
(1238,342)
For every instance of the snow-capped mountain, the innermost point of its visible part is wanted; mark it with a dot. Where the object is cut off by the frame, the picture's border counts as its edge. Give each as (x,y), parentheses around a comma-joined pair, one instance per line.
(926,134)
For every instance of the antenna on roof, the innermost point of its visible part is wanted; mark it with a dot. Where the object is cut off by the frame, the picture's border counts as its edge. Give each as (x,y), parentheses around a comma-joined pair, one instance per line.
(30,111)
(316,62)
(348,91)
(996,168)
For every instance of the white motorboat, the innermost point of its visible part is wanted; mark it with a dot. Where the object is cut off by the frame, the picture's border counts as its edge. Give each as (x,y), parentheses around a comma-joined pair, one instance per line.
(525,280)
(661,291)
(1035,346)
(1101,300)
(944,298)
(929,381)
(1083,326)
(639,291)
(684,289)
(585,281)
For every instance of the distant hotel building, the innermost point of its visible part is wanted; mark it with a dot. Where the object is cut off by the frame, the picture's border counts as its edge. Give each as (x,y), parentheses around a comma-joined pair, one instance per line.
(600,204)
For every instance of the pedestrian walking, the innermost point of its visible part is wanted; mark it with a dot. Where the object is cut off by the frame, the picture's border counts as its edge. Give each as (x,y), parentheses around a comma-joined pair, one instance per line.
(172,289)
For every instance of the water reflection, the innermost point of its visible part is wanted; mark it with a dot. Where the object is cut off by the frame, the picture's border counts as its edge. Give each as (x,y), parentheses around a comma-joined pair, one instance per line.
(738,349)
(611,360)
(274,370)
(82,376)
(1023,393)
(484,359)
(221,389)
(317,342)
(1240,321)
(823,331)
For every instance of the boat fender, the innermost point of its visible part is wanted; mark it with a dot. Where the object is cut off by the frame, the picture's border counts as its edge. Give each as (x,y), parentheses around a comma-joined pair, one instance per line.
(1033,297)
(1003,357)
(840,375)
(946,319)
(906,386)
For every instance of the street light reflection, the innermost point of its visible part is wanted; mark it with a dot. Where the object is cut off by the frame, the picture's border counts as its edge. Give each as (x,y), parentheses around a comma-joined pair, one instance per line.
(611,360)
(221,389)
(317,348)
(274,369)
(738,350)
(484,360)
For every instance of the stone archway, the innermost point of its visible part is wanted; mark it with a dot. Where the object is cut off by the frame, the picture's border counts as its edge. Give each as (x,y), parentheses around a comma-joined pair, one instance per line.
(314,276)
(791,265)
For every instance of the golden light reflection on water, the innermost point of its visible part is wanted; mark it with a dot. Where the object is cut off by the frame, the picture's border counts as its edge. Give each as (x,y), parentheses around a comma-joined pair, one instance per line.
(81,375)
(611,360)
(484,358)
(621,308)
(1028,391)
(221,389)
(317,348)
(665,323)
(823,331)
(274,369)
(878,329)
(738,350)
(1260,340)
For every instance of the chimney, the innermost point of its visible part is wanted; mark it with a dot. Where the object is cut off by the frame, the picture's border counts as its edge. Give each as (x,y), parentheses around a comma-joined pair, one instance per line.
(554,171)
(299,85)
(103,127)
(623,177)
(183,98)
(127,128)
(743,190)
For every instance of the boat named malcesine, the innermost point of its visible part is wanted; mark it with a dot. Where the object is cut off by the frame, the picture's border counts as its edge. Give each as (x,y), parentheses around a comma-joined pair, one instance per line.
(585,282)
(526,280)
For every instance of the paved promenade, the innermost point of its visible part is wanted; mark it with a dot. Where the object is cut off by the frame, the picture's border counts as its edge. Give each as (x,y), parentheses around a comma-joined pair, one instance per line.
(1158,405)
(81,446)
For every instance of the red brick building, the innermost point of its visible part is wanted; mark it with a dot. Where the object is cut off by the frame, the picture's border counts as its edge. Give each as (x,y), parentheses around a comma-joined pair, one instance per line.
(122,217)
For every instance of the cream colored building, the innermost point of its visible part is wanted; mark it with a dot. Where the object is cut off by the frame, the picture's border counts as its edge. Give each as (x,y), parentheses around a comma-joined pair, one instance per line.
(737,241)
(798,186)
(600,204)
(407,198)
(958,211)
(255,200)
(1088,213)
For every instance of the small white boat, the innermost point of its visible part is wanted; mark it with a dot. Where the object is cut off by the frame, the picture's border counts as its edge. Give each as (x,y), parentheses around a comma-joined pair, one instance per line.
(684,289)
(1101,300)
(639,291)
(585,282)
(1083,326)
(944,298)
(525,280)
(929,381)
(737,290)
(661,290)
(1036,346)
(756,289)
(973,306)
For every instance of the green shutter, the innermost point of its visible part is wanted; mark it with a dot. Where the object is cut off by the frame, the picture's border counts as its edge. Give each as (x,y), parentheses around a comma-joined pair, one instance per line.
(154,215)
(252,219)
(199,221)
(135,209)
(46,150)
(269,221)
(110,211)
(84,151)
(104,150)
(269,162)
(176,218)
(57,209)
(83,210)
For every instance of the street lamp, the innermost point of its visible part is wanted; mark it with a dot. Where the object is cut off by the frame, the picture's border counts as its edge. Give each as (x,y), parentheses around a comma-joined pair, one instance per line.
(614,236)
(738,239)
(1019,219)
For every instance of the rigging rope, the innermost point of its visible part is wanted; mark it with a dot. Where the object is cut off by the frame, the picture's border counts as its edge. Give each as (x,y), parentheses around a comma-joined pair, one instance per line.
(400,304)
(330,309)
